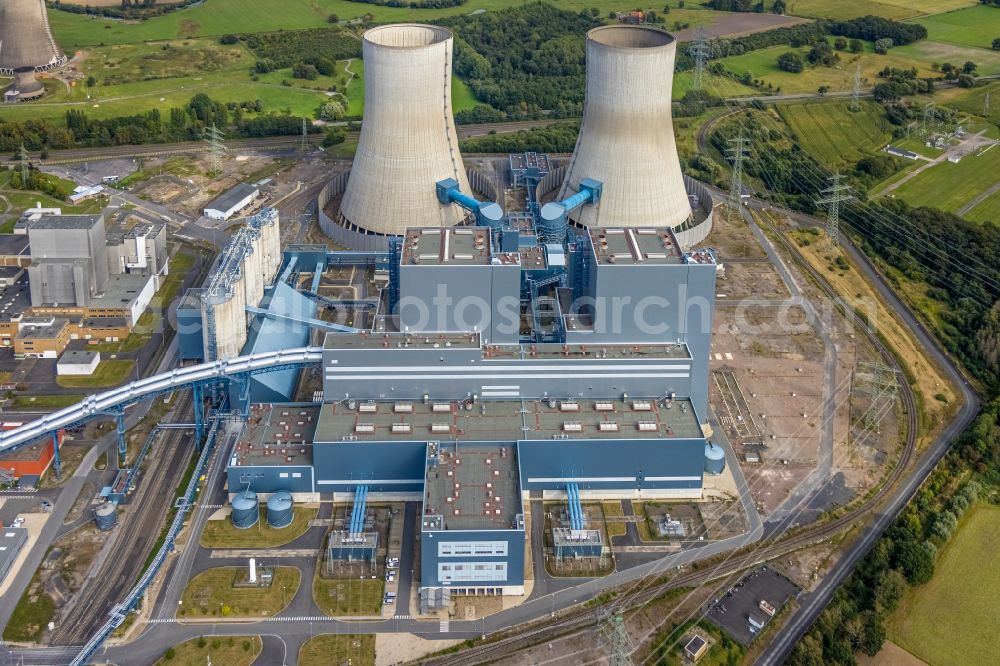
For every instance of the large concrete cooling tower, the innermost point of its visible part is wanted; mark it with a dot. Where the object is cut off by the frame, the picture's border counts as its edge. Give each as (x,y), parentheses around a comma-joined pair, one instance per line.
(626,140)
(25,38)
(408,141)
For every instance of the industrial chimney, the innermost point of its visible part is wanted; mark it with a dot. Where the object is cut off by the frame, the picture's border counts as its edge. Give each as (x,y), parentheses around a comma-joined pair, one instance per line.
(626,140)
(408,141)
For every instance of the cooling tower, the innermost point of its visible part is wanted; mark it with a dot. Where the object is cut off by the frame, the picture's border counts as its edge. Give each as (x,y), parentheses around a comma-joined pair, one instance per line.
(408,140)
(626,140)
(25,38)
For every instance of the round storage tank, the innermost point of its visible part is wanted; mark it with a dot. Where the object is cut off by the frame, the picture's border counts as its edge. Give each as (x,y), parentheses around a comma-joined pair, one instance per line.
(715,459)
(279,509)
(245,510)
(106,516)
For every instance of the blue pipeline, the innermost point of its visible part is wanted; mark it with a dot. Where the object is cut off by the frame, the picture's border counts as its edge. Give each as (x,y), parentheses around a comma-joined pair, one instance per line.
(358,514)
(463,200)
(577,200)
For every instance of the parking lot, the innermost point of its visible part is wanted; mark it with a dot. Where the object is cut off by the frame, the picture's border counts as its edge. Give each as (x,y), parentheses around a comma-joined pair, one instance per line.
(732,611)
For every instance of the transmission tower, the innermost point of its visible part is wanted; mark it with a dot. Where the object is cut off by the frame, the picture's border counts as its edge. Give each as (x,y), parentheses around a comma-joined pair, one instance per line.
(856,90)
(834,195)
(25,166)
(614,636)
(929,114)
(699,50)
(736,155)
(214,137)
(884,384)
(305,136)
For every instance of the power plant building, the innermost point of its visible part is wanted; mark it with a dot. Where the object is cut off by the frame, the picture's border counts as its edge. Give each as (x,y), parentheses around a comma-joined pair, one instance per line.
(26,37)
(408,140)
(69,259)
(502,359)
(626,140)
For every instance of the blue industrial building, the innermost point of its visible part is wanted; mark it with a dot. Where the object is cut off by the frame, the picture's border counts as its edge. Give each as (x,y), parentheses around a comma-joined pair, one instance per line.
(489,367)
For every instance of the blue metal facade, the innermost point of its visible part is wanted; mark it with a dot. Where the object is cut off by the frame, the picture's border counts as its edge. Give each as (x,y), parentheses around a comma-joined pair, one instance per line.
(271,478)
(617,464)
(385,467)
(431,558)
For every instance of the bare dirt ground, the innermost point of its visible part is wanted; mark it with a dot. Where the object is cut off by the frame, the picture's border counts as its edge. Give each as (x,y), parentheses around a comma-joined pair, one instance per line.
(399,648)
(750,280)
(734,25)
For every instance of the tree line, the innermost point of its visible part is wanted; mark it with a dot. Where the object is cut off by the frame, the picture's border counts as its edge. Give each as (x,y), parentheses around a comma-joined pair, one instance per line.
(178,124)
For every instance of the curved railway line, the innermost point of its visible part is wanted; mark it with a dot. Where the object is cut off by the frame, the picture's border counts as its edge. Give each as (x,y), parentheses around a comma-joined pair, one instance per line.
(765,551)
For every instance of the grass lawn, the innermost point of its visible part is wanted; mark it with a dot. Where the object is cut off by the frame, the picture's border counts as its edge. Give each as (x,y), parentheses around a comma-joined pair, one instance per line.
(31,616)
(216,650)
(244,16)
(111,372)
(963,581)
(763,65)
(357,650)
(973,26)
(951,186)
(180,166)
(974,101)
(46,401)
(834,135)
(211,594)
(613,528)
(348,596)
(222,534)
(894,9)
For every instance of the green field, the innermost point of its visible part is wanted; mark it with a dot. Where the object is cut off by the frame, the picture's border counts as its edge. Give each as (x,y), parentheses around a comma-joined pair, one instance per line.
(953,618)
(975,26)
(763,65)
(834,135)
(894,9)
(134,78)
(357,650)
(219,17)
(211,594)
(215,650)
(974,101)
(926,51)
(951,186)
(348,596)
(222,534)
(111,372)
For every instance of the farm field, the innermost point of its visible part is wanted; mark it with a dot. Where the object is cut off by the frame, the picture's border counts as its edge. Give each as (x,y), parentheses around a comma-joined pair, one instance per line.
(961,581)
(927,51)
(834,135)
(220,17)
(950,187)
(893,9)
(763,65)
(134,78)
(974,26)
(974,101)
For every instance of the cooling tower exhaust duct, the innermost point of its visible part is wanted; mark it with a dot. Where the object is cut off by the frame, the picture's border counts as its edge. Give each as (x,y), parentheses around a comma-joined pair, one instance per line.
(408,140)
(627,137)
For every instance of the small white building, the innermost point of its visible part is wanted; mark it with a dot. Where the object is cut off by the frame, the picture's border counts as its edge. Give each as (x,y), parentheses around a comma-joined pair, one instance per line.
(82,193)
(232,202)
(78,363)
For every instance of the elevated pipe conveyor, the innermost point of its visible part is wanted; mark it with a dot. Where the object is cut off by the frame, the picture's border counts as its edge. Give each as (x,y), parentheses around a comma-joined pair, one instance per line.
(133,392)
(553,217)
(487,213)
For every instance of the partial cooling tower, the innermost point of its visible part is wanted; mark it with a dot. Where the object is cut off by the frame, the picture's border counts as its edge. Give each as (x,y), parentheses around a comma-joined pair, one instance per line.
(25,38)
(408,140)
(626,141)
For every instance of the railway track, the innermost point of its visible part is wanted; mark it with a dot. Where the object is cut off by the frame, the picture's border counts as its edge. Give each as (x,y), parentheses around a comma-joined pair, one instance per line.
(765,551)
(134,537)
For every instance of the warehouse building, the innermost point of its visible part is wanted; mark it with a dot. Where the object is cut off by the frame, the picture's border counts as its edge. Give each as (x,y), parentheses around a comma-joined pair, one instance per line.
(232,202)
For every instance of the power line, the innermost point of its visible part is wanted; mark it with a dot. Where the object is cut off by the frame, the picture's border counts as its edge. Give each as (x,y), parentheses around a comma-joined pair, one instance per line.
(615,638)
(700,51)
(884,385)
(856,90)
(214,137)
(834,195)
(737,154)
